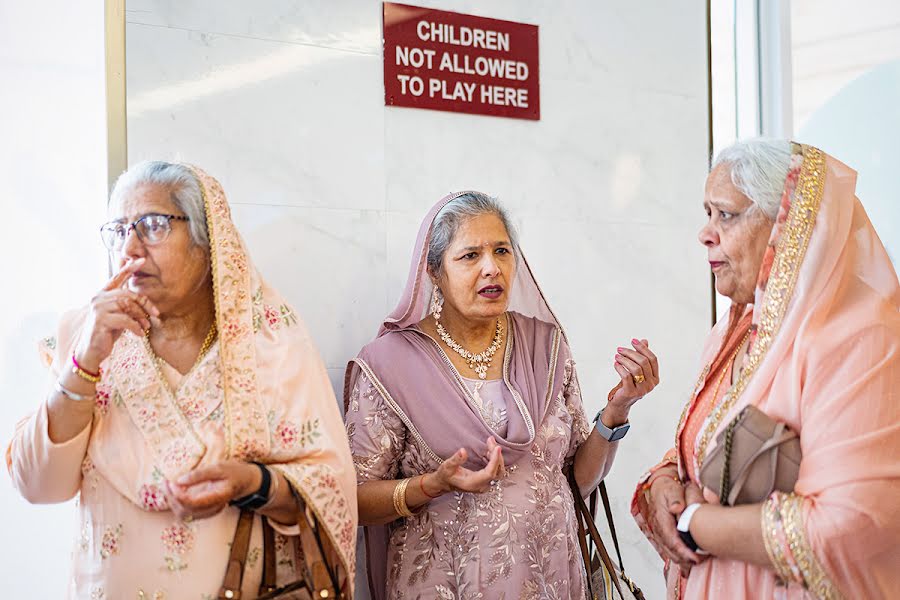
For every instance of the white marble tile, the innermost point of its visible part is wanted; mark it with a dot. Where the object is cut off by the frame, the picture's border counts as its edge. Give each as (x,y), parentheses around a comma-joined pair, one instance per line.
(278,123)
(621,156)
(329,264)
(353,25)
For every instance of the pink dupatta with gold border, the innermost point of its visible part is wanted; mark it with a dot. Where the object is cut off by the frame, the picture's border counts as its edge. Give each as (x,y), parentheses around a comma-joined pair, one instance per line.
(825,359)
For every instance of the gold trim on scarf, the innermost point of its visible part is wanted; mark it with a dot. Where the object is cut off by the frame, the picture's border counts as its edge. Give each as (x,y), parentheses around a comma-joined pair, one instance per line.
(469,397)
(386,396)
(786,511)
(771,526)
(789,254)
(307,481)
(247,432)
(814,576)
(153,409)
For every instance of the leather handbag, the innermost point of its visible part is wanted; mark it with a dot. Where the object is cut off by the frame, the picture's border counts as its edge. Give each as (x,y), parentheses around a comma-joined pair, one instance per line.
(603,576)
(754,456)
(320,582)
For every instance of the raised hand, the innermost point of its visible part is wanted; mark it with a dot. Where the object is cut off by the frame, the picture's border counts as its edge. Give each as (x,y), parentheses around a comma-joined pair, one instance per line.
(113,310)
(639,370)
(451,476)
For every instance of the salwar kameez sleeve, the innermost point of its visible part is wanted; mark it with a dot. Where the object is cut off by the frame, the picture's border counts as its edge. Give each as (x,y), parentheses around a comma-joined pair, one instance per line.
(581,427)
(377,435)
(42,471)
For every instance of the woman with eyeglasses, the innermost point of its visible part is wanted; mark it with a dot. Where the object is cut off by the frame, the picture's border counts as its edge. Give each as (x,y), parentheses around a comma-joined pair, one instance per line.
(187,396)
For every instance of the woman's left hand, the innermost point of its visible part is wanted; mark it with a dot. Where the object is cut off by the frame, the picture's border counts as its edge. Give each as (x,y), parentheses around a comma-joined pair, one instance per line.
(639,370)
(204,492)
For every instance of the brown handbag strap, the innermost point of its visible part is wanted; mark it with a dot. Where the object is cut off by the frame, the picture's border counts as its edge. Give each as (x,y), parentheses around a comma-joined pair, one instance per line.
(234,572)
(585,554)
(268,583)
(612,524)
(588,520)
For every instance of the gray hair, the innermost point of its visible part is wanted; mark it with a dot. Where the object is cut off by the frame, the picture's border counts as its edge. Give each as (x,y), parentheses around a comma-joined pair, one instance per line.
(179,180)
(455,213)
(759,167)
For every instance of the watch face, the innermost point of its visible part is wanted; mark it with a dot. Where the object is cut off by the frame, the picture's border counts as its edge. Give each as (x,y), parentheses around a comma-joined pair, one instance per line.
(619,432)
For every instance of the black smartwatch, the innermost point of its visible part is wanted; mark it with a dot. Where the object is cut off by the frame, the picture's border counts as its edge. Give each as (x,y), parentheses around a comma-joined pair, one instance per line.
(258,498)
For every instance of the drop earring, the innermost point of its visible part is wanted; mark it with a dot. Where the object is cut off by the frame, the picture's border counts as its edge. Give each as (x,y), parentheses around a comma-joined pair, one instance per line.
(437,303)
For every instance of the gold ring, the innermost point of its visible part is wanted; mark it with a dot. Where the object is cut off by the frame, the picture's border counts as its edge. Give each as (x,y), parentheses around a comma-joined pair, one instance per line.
(638,379)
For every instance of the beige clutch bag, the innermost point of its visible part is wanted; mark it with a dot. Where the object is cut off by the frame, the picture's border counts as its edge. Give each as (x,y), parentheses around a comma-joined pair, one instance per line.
(754,456)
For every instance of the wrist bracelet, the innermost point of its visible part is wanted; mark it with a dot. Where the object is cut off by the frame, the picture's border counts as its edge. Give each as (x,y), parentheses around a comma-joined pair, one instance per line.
(422,487)
(400,499)
(654,477)
(72,395)
(84,373)
(274,492)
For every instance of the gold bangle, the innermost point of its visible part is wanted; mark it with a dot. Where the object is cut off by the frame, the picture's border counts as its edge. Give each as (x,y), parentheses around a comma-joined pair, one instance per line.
(400,499)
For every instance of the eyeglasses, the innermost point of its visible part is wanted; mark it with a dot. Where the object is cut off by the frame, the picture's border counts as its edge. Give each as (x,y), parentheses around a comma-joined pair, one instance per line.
(151,229)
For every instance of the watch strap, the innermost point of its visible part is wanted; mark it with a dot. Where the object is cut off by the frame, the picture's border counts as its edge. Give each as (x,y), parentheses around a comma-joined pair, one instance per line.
(610,434)
(260,497)
(684,527)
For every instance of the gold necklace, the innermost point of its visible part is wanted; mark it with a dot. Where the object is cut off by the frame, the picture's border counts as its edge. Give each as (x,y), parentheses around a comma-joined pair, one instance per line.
(481,362)
(711,428)
(204,348)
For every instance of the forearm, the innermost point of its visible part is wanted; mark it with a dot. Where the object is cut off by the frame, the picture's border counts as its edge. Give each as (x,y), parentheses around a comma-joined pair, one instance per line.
(595,456)
(733,532)
(376,498)
(283,507)
(593,460)
(66,417)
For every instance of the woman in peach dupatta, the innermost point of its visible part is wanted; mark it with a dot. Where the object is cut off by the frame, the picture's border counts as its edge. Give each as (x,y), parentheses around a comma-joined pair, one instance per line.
(157,452)
(816,346)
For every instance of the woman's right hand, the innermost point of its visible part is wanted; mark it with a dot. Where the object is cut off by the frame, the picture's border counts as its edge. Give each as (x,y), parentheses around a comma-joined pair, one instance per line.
(113,310)
(666,501)
(451,476)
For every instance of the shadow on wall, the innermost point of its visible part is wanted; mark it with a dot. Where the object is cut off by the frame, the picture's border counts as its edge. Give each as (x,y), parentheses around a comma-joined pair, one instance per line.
(859,125)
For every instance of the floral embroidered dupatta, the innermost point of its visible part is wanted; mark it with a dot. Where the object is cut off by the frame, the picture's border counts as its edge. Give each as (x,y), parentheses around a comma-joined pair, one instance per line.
(825,359)
(261,393)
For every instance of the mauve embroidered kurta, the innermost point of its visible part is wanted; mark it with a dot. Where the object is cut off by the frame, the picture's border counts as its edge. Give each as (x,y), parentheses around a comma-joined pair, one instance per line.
(517,540)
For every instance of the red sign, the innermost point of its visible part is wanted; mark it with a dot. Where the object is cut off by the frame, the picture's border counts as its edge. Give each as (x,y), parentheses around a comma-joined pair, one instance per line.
(460,63)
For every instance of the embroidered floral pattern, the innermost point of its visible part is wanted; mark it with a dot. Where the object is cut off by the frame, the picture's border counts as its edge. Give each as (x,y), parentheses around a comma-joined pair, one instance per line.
(509,538)
(101,400)
(152,498)
(178,540)
(109,545)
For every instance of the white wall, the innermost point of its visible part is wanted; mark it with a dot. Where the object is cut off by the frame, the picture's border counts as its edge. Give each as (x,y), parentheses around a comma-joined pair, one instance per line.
(52,198)
(283,102)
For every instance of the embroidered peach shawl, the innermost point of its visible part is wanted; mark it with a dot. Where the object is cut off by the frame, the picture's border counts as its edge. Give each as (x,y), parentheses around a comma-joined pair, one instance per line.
(262,393)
